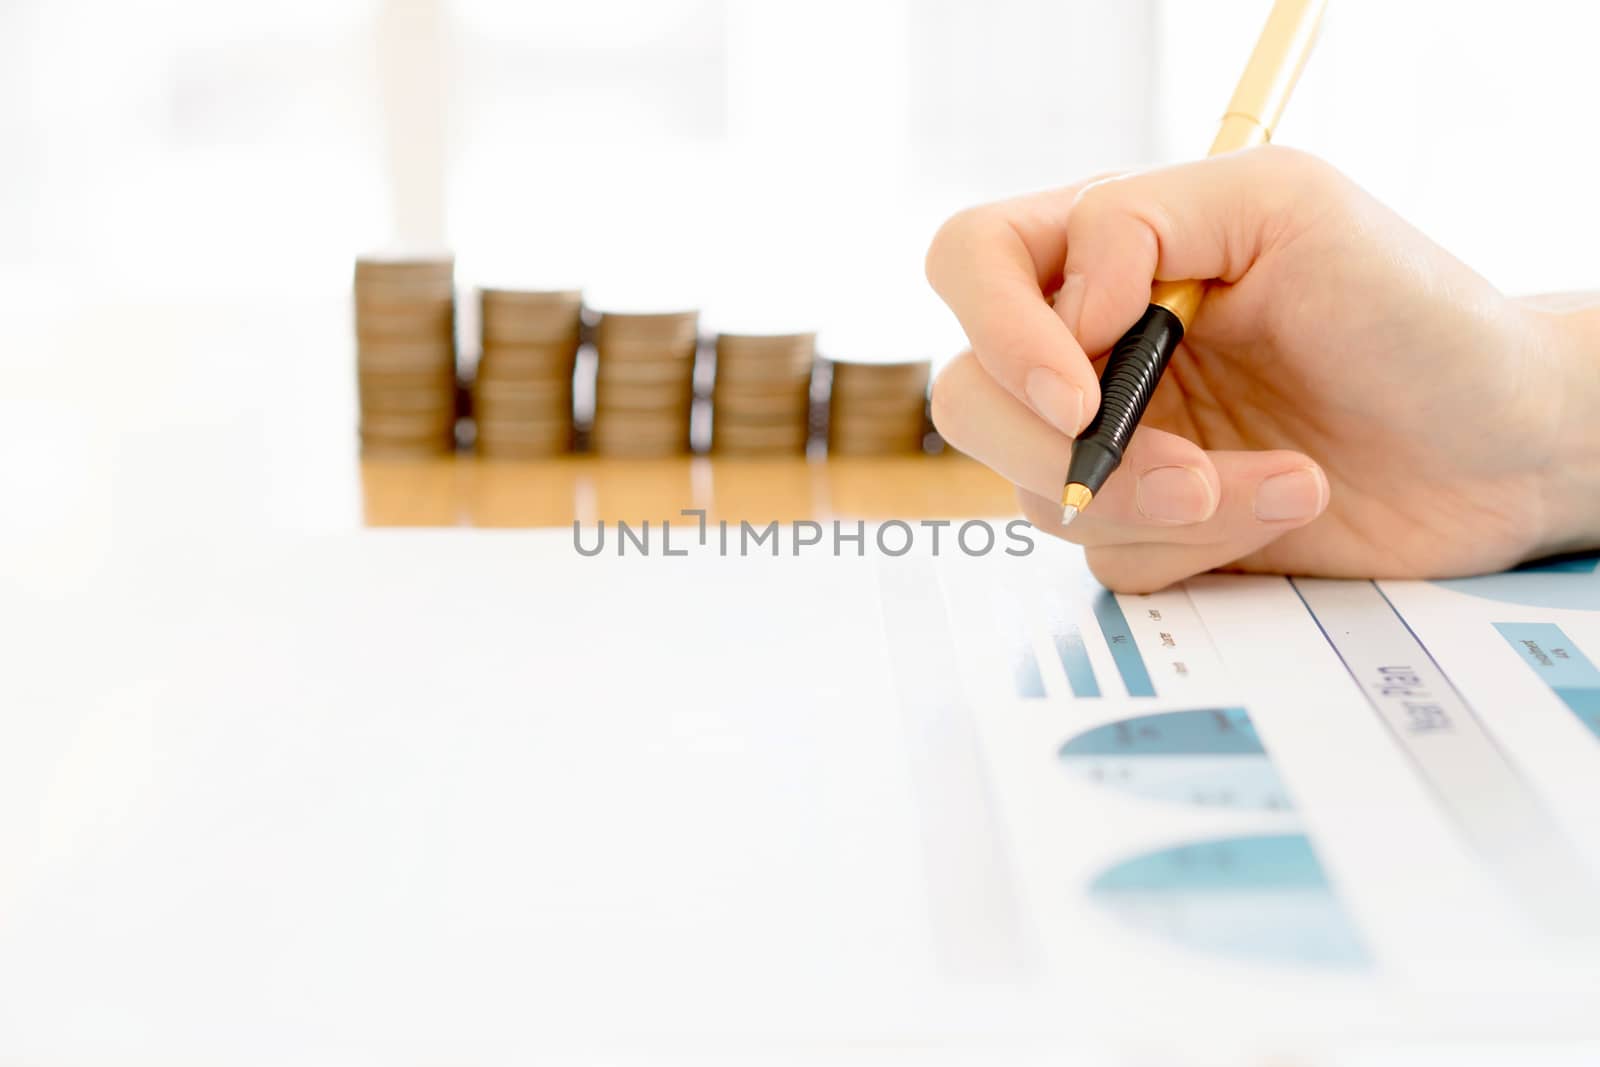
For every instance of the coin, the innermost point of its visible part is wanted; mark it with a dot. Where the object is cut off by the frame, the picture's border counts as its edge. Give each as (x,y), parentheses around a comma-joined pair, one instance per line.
(642,395)
(404,306)
(676,328)
(776,358)
(524,317)
(527,360)
(751,437)
(864,377)
(401,267)
(405,356)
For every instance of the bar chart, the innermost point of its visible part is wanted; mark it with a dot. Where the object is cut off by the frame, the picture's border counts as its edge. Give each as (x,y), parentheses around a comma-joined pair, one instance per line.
(1560,664)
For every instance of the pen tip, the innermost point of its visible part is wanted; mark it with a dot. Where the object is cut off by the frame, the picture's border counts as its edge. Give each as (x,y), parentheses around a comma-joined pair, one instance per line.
(1074,498)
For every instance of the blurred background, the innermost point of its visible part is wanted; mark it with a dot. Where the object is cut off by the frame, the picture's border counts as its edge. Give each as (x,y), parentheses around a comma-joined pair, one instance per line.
(712,145)
(207,170)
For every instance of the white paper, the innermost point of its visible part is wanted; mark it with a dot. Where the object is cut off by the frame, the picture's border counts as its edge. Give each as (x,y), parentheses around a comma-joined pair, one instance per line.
(468,795)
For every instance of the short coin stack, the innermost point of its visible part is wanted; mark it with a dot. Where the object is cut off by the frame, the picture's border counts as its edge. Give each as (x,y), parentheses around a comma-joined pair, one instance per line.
(877,408)
(644,383)
(522,397)
(406,354)
(761,403)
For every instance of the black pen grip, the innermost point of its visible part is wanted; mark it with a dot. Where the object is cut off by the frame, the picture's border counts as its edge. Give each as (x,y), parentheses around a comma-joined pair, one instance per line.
(1130,377)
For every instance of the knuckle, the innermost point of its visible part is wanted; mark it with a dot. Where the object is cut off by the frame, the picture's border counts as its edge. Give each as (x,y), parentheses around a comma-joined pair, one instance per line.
(1118,213)
(1096,198)
(1296,165)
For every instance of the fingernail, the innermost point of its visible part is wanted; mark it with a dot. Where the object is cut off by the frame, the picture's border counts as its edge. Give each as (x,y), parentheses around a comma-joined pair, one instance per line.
(1295,495)
(1174,494)
(1069,302)
(1058,400)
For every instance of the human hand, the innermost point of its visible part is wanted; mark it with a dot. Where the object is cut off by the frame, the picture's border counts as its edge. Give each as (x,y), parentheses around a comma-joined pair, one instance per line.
(1350,400)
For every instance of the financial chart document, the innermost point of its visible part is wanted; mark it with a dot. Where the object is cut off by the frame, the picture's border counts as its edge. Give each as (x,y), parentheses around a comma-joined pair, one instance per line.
(1376,804)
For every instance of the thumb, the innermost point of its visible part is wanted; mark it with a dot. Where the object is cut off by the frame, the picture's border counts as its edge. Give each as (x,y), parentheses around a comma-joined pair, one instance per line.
(1211,219)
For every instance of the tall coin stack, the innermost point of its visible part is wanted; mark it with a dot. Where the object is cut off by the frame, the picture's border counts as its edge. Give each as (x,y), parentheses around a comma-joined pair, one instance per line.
(877,408)
(522,397)
(644,383)
(406,354)
(761,403)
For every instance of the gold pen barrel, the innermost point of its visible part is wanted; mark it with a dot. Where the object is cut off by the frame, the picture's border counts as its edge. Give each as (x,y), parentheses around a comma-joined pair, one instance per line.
(1269,77)
(1257,103)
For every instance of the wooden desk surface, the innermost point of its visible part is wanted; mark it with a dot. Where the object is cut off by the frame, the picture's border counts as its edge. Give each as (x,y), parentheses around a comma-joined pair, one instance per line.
(466,491)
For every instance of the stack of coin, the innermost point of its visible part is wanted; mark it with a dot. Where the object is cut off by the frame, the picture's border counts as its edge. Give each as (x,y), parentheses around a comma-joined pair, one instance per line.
(522,397)
(761,403)
(406,354)
(877,408)
(644,383)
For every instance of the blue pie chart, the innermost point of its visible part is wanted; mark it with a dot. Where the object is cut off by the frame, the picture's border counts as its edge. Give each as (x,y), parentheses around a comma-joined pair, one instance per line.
(1260,899)
(1209,758)
(1572,582)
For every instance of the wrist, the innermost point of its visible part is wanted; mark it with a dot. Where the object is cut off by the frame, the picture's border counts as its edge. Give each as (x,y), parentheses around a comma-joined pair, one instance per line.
(1566,329)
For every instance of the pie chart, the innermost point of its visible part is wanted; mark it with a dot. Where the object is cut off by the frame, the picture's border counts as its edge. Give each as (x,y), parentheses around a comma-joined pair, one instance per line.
(1208,757)
(1261,899)
(1572,582)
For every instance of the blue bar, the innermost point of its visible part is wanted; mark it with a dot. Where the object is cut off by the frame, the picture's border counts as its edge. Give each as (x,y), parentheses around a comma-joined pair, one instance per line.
(1585,704)
(1075,661)
(1558,662)
(1030,683)
(1119,636)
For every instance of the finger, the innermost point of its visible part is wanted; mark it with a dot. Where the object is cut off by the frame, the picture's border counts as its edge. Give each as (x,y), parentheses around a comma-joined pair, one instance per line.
(993,266)
(1167,490)
(1211,219)
(1164,480)
(1263,496)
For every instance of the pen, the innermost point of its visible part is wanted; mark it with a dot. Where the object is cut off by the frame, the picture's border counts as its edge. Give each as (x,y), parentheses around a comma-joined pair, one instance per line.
(1137,361)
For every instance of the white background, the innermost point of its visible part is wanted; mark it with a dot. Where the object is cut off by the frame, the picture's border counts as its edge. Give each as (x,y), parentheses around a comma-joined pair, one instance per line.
(769,162)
